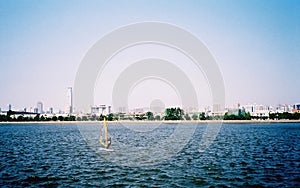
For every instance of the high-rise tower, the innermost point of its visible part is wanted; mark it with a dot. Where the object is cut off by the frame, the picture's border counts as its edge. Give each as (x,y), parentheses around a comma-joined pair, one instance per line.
(39,106)
(69,106)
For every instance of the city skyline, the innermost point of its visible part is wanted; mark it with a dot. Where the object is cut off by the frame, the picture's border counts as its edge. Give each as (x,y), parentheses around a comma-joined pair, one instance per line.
(107,108)
(255,44)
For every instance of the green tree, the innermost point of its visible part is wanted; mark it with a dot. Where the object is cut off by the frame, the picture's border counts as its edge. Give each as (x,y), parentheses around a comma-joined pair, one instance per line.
(72,118)
(37,118)
(3,118)
(20,118)
(9,113)
(202,116)
(179,113)
(187,117)
(42,118)
(54,118)
(157,118)
(296,116)
(60,118)
(272,116)
(110,117)
(101,117)
(13,118)
(116,117)
(195,117)
(140,117)
(150,116)
(93,117)
(84,118)
(242,115)
(248,116)
(173,114)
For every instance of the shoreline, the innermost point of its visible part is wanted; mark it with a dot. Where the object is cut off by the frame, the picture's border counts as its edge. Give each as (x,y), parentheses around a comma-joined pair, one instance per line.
(158,122)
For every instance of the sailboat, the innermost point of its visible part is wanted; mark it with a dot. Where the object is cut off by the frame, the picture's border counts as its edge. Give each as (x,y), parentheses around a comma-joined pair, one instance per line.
(104,133)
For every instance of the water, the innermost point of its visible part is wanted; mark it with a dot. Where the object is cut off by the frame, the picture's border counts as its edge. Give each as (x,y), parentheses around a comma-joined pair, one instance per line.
(243,155)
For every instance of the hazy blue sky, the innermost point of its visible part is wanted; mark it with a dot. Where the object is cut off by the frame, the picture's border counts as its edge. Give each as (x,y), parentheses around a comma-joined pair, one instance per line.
(256,44)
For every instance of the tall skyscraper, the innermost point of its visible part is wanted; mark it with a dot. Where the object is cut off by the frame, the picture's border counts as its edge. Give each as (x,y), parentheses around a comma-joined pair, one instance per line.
(9,107)
(39,106)
(69,106)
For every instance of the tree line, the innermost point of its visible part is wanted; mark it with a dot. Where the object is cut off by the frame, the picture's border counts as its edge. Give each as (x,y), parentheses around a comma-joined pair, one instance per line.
(37,117)
(285,115)
(170,114)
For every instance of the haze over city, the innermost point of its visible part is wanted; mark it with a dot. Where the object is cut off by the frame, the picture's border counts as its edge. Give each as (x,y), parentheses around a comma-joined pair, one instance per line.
(256,45)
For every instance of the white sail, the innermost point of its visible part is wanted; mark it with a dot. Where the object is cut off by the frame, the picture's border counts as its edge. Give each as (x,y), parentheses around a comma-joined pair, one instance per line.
(105,140)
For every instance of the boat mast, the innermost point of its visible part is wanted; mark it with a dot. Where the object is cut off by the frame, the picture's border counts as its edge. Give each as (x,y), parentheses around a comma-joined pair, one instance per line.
(106,133)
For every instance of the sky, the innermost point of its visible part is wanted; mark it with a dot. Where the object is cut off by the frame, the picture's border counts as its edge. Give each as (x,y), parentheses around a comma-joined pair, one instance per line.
(255,43)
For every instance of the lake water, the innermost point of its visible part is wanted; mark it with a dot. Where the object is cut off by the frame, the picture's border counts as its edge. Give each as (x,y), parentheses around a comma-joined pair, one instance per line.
(59,155)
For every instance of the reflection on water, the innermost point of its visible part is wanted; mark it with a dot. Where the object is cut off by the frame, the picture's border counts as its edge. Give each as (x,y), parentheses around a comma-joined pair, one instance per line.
(242,155)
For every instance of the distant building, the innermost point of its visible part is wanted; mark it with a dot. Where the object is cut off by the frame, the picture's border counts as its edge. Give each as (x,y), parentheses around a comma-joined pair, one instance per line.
(69,106)
(122,109)
(280,108)
(233,111)
(36,110)
(39,107)
(217,110)
(109,109)
(249,108)
(296,108)
(95,110)
(31,109)
(9,107)
(137,110)
(100,109)
(50,110)
(257,110)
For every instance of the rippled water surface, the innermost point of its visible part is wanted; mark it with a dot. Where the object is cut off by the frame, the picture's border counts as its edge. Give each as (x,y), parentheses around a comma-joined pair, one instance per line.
(243,155)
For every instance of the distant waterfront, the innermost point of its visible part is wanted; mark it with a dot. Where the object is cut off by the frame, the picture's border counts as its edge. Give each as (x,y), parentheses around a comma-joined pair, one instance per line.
(160,122)
(170,114)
